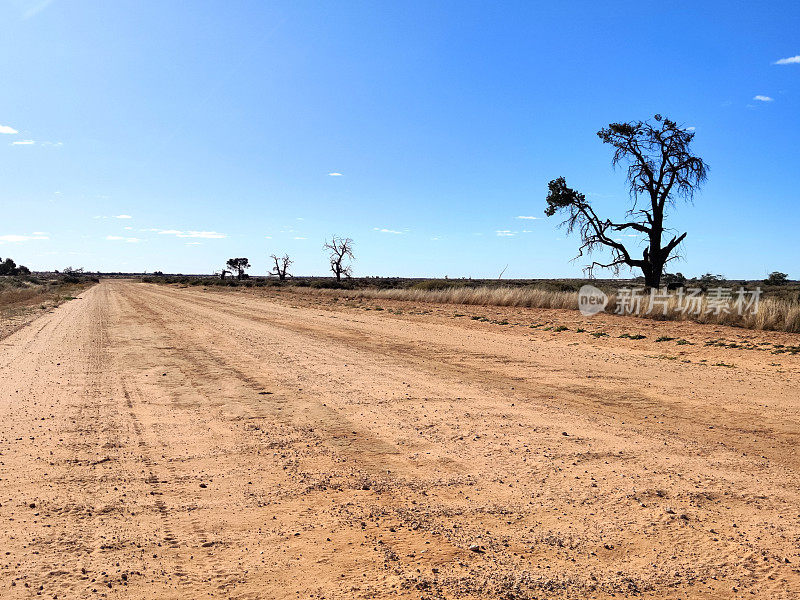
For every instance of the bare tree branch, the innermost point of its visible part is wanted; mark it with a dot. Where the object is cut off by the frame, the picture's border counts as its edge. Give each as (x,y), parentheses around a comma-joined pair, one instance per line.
(660,167)
(340,250)
(281,268)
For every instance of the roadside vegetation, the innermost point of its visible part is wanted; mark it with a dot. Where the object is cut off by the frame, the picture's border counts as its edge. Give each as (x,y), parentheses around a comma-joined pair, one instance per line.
(22,292)
(779,305)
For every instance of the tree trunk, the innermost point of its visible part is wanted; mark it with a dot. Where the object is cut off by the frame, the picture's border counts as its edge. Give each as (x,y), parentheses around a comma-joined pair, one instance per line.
(652,275)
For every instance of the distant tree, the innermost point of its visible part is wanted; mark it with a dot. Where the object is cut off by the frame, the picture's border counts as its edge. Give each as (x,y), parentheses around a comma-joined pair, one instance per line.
(240,265)
(660,168)
(709,279)
(8,267)
(341,249)
(72,275)
(777,278)
(281,268)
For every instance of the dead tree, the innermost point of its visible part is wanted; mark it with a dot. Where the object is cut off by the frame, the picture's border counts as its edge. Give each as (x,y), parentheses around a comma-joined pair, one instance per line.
(660,167)
(281,268)
(341,249)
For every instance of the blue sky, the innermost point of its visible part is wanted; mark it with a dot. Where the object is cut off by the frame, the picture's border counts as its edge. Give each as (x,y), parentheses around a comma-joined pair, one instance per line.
(173,135)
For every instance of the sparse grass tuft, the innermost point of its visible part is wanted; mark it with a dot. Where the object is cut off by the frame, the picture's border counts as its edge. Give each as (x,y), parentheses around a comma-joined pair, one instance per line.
(634,336)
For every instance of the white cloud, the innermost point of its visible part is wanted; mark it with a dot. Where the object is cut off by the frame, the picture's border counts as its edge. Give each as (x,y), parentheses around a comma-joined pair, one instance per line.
(11,238)
(761,98)
(689,128)
(335,174)
(194,243)
(792,60)
(209,235)
(267,237)
(299,238)
(123,217)
(529,218)
(505,233)
(384,230)
(40,233)
(7,129)
(23,143)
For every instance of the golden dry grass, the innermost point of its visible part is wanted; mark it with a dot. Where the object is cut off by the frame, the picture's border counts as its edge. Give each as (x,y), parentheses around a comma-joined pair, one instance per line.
(773,314)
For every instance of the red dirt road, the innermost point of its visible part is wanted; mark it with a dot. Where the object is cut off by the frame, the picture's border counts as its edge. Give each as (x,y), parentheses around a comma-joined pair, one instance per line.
(158,442)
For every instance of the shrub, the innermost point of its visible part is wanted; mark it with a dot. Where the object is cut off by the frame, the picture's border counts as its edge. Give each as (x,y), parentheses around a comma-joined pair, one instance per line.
(777,278)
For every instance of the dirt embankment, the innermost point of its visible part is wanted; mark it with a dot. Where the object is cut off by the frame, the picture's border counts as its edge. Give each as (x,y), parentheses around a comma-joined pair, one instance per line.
(175,443)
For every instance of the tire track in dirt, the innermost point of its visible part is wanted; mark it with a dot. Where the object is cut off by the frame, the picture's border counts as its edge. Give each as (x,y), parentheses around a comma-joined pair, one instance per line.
(298,505)
(626,401)
(175,313)
(161,476)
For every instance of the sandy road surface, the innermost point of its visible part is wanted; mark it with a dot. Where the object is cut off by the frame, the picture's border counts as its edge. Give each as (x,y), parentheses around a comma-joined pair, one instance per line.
(158,442)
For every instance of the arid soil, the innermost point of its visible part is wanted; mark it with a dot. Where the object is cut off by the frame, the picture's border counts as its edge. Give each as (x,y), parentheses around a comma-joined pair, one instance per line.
(159,442)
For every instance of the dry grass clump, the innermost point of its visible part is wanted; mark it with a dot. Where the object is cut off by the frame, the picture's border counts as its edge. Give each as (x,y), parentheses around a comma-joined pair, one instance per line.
(773,313)
(480,296)
(13,292)
(19,293)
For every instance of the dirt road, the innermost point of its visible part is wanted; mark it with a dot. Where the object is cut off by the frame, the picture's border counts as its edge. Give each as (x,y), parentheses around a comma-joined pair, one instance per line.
(158,442)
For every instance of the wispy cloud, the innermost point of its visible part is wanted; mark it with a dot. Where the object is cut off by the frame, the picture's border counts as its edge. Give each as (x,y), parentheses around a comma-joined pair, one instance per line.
(7,129)
(384,230)
(528,218)
(34,142)
(194,243)
(35,7)
(791,60)
(335,174)
(119,238)
(11,238)
(761,98)
(298,238)
(209,235)
(505,233)
(123,217)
